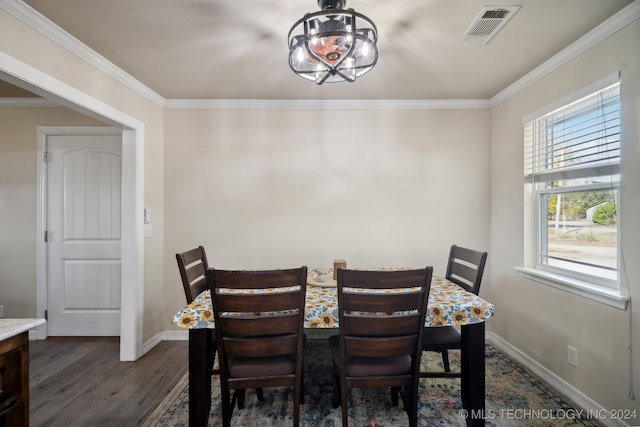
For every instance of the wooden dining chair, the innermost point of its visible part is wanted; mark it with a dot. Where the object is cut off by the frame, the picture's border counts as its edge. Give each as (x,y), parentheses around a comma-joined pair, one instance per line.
(193,267)
(259,319)
(381,316)
(465,268)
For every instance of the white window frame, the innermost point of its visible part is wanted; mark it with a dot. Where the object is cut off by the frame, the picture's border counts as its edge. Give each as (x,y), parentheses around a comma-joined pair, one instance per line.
(541,237)
(590,286)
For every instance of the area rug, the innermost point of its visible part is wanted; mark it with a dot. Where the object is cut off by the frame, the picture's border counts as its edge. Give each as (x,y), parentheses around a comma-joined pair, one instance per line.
(514,397)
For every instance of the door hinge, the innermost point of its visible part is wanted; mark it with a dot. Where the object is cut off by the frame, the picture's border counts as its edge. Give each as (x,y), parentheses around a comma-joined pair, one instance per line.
(46,156)
(46,235)
(46,315)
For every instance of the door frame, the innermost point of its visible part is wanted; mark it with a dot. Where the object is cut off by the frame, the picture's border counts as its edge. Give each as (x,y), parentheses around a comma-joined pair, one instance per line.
(27,77)
(42,254)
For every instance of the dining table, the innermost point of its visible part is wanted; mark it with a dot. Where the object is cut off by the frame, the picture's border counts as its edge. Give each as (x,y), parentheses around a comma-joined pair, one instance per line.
(448,305)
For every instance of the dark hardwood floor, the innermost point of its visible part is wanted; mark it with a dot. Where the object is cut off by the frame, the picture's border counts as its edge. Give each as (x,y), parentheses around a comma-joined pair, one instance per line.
(81,382)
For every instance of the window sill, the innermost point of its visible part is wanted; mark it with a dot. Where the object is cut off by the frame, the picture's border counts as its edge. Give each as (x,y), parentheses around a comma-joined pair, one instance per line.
(598,293)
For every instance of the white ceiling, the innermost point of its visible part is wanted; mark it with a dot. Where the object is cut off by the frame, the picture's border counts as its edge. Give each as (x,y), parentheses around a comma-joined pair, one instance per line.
(237,49)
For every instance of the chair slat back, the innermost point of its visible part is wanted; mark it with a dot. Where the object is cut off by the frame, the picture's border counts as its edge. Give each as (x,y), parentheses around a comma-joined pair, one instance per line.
(384,347)
(382,302)
(258,313)
(465,268)
(258,279)
(268,347)
(381,326)
(248,302)
(382,279)
(193,266)
(376,324)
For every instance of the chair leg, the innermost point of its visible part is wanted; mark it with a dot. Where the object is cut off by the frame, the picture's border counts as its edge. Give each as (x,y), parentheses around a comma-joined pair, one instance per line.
(405,394)
(336,391)
(227,406)
(214,370)
(445,360)
(297,399)
(394,395)
(239,396)
(411,405)
(260,394)
(343,403)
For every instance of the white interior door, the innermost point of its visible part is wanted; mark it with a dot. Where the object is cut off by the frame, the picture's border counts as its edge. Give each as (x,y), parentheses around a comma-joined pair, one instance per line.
(83,234)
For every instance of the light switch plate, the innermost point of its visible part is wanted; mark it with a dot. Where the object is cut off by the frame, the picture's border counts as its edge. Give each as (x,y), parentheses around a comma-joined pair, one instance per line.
(572,356)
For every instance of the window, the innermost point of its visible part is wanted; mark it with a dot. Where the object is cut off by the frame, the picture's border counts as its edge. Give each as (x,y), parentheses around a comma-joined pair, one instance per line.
(572,158)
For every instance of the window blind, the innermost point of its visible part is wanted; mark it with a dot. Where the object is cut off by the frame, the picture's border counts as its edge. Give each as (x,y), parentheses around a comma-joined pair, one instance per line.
(576,141)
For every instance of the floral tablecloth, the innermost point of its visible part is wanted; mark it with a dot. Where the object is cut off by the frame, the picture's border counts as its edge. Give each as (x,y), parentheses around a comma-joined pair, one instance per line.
(448,305)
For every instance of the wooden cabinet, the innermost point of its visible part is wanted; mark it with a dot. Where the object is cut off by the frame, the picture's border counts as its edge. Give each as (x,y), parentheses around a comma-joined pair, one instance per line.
(14,381)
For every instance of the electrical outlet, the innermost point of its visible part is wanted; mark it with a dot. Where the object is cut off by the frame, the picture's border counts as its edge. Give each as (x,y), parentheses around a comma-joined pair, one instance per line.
(572,356)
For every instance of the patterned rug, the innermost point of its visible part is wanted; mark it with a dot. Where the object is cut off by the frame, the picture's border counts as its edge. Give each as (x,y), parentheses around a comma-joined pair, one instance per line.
(514,397)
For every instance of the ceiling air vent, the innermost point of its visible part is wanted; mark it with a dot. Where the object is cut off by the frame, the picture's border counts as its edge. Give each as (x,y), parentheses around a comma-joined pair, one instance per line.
(487,24)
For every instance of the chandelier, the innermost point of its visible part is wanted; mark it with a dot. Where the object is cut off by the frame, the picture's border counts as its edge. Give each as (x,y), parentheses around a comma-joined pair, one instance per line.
(333,45)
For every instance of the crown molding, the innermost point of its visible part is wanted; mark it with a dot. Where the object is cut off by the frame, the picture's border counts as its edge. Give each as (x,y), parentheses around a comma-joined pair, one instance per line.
(609,27)
(40,23)
(52,31)
(362,104)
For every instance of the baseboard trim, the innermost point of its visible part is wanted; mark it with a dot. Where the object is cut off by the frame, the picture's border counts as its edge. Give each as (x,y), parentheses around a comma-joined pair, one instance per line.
(175,335)
(154,341)
(564,388)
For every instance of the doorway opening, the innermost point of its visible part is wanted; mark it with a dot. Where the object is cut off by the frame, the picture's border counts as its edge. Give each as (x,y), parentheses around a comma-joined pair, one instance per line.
(132,244)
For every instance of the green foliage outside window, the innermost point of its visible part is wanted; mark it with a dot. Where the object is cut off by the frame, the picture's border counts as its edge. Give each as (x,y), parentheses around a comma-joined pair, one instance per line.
(574,205)
(605,214)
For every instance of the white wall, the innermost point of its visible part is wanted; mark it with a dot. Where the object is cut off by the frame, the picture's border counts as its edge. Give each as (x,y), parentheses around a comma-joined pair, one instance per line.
(539,320)
(283,188)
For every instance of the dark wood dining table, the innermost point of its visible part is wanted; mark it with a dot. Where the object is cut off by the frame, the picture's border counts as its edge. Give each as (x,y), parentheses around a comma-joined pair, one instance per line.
(448,305)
